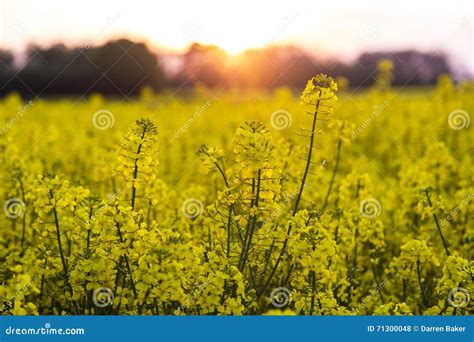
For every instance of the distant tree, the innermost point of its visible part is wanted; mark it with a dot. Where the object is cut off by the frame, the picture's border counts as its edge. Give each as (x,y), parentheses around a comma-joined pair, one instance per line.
(119,67)
(205,64)
(125,67)
(6,59)
(122,67)
(409,67)
(6,71)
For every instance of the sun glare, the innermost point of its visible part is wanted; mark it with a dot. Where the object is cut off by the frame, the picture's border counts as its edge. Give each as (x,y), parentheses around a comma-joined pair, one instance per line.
(235,47)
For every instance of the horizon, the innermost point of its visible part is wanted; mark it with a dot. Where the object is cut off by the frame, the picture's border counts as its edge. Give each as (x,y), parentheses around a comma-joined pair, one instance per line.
(331,31)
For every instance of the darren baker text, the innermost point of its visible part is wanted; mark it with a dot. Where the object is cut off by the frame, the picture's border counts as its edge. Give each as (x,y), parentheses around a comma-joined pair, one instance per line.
(445,328)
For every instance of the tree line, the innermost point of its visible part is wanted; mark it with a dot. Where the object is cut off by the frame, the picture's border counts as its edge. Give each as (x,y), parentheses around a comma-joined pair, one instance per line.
(122,67)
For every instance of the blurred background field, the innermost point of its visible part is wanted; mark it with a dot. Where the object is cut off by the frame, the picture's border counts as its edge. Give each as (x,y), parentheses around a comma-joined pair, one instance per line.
(389,129)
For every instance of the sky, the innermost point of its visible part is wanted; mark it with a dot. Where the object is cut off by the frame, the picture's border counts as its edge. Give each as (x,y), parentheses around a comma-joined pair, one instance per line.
(330,28)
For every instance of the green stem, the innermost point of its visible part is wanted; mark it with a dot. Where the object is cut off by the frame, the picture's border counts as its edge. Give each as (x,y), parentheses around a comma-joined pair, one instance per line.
(333,177)
(88,254)
(312,276)
(423,295)
(229,231)
(229,219)
(127,263)
(254,222)
(40,308)
(135,171)
(378,282)
(23,229)
(298,198)
(443,240)
(61,252)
